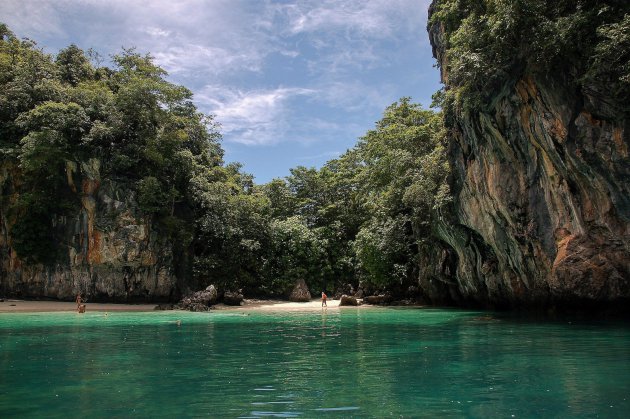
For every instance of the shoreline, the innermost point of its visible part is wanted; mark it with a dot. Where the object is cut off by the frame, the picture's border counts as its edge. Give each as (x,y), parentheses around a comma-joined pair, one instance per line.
(28,306)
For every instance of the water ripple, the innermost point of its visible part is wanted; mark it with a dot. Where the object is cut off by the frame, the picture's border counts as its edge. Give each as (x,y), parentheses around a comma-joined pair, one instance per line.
(386,362)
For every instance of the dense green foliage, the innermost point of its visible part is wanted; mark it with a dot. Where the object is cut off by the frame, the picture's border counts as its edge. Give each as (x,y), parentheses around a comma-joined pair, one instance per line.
(142,131)
(490,43)
(371,210)
(365,216)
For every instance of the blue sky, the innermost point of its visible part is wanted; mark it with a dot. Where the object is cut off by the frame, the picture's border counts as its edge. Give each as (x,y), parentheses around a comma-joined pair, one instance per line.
(291,82)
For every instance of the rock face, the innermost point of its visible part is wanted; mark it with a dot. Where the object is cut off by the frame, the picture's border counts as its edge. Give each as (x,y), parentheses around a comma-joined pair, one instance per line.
(542,200)
(347,300)
(300,292)
(198,300)
(111,252)
(233,298)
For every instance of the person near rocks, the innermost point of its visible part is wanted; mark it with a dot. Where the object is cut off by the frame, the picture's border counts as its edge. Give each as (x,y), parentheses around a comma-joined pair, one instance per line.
(324,297)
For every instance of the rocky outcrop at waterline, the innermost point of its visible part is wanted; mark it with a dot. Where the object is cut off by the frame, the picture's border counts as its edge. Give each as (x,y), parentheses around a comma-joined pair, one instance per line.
(200,300)
(348,300)
(300,292)
(233,298)
(541,181)
(108,250)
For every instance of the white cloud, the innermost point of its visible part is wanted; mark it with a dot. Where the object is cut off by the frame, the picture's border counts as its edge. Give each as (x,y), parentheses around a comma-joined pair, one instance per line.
(290,53)
(374,19)
(329,50)
(327,155)
(258,117)
(335,16)
(354,95)
(350,36)
(194,37)
(39,19)
(340,61)
(190,59)
(221,38)
(157,32)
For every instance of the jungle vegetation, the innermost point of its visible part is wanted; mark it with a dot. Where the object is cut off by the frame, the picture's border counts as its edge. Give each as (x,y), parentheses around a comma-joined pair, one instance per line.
(366,217)
(363,217)
(491,44)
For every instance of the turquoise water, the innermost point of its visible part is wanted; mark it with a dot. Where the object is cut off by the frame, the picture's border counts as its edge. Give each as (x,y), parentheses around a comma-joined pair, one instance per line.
(338,363)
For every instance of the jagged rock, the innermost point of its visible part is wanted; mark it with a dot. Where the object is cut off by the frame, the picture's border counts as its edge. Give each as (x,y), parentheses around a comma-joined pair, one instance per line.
(207,296)
(378,299)
(300,292)
(213,293)
(164,307)
(347,300)
(233,298)
(194,301)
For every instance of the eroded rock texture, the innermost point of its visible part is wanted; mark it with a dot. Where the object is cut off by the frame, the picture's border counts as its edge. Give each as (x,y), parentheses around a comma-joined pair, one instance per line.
(109,251)
(300,292)
(542,198)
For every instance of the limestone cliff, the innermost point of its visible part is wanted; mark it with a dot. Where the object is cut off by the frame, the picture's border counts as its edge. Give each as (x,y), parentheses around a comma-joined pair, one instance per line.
(542,194)
(109,251)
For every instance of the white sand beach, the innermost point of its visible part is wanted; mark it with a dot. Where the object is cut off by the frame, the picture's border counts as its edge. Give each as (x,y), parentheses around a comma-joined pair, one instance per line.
(25,306)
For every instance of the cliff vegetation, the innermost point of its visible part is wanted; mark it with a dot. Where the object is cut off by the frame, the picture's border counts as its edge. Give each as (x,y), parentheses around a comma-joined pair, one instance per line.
(113,184)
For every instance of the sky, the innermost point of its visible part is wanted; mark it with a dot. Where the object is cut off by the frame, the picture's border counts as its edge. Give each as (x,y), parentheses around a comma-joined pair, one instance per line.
(292,83)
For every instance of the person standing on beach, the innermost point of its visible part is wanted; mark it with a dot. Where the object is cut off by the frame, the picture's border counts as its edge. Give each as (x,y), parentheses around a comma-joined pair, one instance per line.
(80,304)
(324,299)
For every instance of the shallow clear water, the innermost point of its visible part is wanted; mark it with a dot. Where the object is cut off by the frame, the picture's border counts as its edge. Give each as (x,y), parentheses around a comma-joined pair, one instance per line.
(339,363)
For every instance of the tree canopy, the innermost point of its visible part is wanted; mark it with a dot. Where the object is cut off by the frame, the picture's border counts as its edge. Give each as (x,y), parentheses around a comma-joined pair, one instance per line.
(489,43)
(361,218)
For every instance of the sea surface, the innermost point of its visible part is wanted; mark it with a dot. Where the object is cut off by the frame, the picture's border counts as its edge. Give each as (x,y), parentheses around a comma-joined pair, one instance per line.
(345,363)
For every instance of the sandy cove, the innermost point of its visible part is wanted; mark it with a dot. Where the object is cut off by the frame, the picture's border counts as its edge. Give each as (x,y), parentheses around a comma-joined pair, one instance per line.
(23,306)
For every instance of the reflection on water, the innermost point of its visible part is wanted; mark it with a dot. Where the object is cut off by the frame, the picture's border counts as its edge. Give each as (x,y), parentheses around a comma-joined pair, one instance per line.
(347,363)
